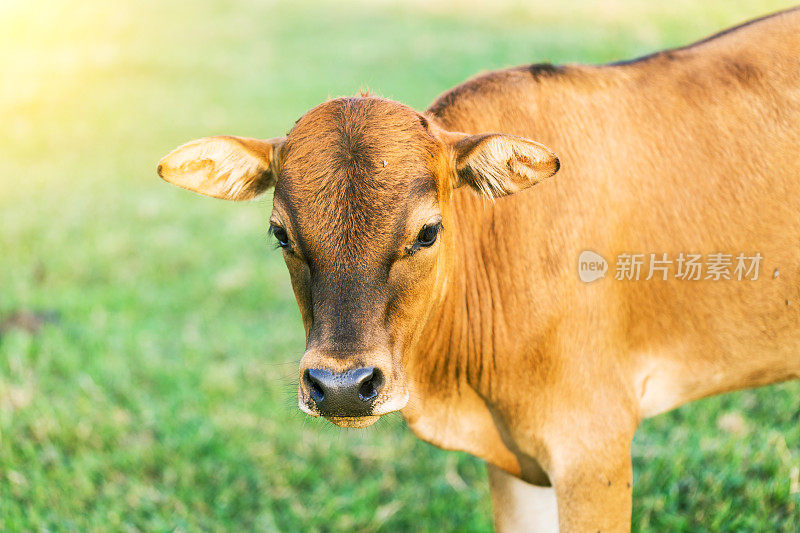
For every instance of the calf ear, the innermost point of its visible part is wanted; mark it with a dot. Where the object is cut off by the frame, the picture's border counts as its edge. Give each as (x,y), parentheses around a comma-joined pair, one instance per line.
(496,164)
(231,168)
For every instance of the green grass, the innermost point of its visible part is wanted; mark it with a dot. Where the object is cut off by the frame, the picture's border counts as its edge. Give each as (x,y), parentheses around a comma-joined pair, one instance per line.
(162,394)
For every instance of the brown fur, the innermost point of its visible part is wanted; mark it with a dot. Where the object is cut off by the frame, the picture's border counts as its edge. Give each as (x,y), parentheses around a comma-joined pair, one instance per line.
(501,350)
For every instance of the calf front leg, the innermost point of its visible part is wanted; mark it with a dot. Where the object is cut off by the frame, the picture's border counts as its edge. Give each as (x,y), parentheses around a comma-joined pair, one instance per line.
(595,494)
(520,506)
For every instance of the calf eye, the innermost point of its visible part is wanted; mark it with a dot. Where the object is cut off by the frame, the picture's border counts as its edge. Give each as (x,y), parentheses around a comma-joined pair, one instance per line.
(427,235)
(280,235)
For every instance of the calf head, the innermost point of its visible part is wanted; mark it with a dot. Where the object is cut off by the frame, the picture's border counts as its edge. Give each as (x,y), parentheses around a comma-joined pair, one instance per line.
(362,213)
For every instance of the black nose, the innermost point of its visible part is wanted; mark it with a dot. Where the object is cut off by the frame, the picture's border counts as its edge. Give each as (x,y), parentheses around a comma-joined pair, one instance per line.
(349,393)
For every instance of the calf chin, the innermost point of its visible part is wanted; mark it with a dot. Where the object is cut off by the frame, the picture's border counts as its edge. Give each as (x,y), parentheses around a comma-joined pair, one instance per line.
(353,422)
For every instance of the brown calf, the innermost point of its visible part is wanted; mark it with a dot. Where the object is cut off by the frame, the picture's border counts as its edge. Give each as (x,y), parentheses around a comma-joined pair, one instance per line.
(426,285)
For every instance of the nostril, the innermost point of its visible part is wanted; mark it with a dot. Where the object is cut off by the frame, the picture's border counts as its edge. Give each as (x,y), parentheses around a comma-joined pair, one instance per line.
(368,390)
(315,389)
(317,394)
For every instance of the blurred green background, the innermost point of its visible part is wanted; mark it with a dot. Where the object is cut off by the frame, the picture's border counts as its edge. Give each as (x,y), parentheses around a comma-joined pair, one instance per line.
(149,339)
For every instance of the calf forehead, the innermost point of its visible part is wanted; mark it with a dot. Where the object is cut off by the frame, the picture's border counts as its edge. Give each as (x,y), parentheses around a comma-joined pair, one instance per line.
(351,170)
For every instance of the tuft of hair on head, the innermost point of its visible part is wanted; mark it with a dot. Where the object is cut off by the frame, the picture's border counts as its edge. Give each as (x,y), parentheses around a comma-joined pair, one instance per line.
(364,92)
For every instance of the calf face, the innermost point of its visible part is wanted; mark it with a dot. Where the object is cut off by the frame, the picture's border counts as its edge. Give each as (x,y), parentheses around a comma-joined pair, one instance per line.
(361,211)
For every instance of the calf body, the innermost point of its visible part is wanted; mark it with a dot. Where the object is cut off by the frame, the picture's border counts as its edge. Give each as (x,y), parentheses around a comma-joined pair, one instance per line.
(694,150)
(486,337)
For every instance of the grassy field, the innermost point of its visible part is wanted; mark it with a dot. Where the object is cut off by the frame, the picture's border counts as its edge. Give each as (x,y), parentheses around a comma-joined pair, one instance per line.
(149,338)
